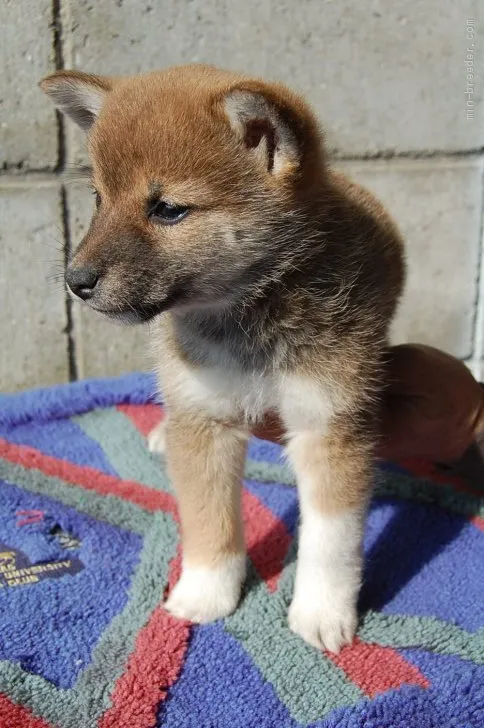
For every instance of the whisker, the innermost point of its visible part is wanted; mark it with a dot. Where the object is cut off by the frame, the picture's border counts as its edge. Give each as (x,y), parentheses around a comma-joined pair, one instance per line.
(79,174)
(54,263)
(59,248)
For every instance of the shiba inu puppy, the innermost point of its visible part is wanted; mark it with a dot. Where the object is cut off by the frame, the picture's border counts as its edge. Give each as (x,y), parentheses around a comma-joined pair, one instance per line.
(270,281)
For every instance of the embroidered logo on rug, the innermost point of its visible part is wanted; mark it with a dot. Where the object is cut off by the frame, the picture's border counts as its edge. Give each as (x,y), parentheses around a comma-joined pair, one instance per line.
(16,569)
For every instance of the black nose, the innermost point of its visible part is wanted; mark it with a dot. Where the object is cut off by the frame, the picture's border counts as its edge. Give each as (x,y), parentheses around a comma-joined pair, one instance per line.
(82,280)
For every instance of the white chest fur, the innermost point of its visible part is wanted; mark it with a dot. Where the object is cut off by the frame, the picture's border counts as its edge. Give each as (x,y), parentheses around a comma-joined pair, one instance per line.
(226,393)
(303,403)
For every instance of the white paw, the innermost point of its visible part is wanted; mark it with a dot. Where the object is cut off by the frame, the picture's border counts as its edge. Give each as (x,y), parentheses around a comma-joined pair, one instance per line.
(204,594)
(328,577)
(156,439)
(325,627)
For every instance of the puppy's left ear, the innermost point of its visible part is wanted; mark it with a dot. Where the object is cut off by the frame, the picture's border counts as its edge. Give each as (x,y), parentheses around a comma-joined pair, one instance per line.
(79,95)
(275,125)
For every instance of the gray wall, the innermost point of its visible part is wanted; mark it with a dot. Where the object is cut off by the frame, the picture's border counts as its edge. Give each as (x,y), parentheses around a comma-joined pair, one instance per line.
(387,78)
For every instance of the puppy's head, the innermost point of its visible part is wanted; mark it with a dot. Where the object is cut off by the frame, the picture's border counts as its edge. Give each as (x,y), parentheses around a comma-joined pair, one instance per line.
(197,174)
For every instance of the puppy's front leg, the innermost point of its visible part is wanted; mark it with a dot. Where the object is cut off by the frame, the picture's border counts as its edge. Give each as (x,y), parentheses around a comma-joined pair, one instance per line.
(205,460)
(333,472)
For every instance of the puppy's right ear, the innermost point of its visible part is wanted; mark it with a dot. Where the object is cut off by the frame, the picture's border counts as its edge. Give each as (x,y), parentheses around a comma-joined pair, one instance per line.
(79,95)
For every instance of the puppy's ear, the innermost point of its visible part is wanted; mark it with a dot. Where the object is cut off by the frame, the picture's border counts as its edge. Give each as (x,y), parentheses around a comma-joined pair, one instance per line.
(79,95)
(272,122)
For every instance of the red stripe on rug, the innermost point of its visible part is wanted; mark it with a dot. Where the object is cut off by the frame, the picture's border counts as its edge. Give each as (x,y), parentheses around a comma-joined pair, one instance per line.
(375,669)
(153,667)
(426,469)
(144,416)
(175,570)
(267,539)
(88,478)
(478,521)
(16,716)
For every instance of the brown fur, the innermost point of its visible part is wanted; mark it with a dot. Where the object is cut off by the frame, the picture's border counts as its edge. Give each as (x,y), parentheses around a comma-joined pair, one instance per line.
(282,278)
(339,466)
(213,454)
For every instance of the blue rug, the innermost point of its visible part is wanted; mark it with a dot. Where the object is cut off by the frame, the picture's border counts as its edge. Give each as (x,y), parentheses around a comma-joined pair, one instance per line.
(89,546)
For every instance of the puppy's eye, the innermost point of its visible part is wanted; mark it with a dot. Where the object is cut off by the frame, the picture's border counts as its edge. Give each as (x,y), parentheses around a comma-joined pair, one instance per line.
(97,199)
(166,214)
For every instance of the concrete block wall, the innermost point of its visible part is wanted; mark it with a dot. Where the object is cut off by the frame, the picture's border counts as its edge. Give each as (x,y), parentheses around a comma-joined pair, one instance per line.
(389,82)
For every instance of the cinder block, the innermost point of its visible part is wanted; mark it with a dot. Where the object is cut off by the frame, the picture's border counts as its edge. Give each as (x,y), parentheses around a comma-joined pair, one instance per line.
(103,347)
(384,77)
(32,306)
(28,130)
(437,206)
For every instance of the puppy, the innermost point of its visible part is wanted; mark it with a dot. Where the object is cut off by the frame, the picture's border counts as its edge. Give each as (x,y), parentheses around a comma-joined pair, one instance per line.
(270,281)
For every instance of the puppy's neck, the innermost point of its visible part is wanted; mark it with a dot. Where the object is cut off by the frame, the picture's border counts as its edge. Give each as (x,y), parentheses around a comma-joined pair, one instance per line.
(242,333)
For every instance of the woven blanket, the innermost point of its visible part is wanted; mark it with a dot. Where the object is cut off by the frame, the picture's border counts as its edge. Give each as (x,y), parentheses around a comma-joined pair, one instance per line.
(89,547)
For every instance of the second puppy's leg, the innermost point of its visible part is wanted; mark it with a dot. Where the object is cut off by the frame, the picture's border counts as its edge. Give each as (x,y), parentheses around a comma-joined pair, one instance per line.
(205,460)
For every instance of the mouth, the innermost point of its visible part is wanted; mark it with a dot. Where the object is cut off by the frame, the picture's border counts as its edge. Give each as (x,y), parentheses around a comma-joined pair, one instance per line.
(133,315)
(136,313)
